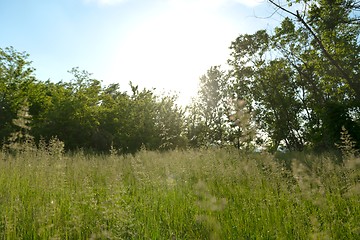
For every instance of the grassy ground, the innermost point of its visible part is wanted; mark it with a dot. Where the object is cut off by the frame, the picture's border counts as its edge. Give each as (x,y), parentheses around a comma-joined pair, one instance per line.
(204,194)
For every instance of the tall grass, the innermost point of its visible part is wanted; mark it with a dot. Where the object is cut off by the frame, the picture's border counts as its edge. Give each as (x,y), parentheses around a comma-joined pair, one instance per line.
(203,194)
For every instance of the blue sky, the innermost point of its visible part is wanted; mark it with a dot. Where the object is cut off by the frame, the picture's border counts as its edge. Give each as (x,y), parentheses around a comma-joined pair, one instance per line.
(162,44)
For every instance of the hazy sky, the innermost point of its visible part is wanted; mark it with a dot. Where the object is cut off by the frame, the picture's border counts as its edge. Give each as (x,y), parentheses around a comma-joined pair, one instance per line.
(165,44)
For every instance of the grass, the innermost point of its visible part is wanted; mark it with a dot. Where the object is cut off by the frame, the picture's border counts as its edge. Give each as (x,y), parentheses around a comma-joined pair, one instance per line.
(202,194)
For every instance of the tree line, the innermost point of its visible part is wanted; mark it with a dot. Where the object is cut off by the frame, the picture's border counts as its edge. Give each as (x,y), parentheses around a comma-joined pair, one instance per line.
(84,114)
(297,86)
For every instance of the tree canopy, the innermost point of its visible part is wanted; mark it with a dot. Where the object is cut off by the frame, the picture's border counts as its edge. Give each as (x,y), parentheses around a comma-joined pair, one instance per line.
(297,86)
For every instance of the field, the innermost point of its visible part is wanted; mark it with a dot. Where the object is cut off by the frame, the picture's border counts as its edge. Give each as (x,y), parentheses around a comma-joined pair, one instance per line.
(202,194)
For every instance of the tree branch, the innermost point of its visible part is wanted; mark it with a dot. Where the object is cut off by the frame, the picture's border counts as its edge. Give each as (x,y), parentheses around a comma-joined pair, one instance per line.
(335,63)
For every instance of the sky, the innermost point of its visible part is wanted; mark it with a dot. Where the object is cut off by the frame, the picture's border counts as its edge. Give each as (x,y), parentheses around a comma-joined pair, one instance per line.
(163,44)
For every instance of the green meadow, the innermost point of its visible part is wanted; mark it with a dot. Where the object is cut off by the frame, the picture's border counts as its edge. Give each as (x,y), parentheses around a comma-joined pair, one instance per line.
(202,194)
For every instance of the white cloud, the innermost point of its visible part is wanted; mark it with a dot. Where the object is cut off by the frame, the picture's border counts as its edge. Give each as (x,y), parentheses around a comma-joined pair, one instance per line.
(105,2)
(250,3)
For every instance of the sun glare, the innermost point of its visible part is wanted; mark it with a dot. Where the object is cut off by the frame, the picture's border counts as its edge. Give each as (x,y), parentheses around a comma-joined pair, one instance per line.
(172,50)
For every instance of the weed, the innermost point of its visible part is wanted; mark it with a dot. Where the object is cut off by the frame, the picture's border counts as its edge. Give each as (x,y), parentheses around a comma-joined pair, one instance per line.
(204,194)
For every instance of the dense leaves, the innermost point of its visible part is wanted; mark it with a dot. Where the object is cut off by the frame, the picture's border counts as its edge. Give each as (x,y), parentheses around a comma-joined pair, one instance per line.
(207,122)
(296,87)
(84,114)
(303,80)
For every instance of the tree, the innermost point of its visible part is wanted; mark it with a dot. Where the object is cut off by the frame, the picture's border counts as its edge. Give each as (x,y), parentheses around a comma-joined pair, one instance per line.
(334,31)
(169,124)
(16,82)
(277,107)
(72,111)
(242,132)
(195,128)
(303,80)
(210,108)
(326,57)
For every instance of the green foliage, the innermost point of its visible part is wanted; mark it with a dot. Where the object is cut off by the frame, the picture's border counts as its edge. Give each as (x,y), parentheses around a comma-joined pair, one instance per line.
(207,120)
(16,83)
(84,114)
(169,123)
(303,80)
(300,85)
(195,127)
